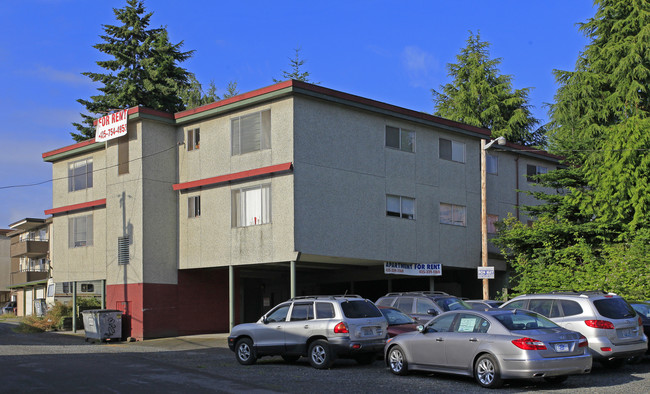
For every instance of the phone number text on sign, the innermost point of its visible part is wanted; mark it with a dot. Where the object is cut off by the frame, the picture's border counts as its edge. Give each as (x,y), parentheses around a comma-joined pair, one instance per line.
(111,126)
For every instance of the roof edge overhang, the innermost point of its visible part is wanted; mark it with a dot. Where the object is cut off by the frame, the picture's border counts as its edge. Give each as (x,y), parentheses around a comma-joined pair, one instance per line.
(27,284)
(287,88)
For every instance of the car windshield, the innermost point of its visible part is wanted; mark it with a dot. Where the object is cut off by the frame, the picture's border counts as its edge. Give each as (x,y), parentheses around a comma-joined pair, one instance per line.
(396,317)
(359,309)
(614,308)
(452,304)
(522,320)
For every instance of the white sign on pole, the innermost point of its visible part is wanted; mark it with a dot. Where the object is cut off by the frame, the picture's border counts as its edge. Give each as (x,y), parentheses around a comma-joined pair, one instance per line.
(111,126)
(486,272)
(430,269)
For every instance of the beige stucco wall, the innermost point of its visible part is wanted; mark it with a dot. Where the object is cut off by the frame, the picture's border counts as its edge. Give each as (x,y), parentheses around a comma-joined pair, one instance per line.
(210,240)
(343,171)
(82,263)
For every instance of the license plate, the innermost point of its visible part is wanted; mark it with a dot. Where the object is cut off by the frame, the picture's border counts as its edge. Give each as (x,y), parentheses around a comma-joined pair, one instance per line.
(367,332)
(561,347)
(625,333)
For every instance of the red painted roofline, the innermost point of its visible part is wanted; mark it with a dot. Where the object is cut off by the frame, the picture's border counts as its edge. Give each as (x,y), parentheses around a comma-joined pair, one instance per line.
(221,103)
(232,177)
(69,148)
(76,207)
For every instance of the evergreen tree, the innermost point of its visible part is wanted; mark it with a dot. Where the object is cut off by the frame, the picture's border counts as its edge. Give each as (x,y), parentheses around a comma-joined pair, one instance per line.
(594,233)
(296,70)
(602,115)
(142,69)
(195,96)
(480,96)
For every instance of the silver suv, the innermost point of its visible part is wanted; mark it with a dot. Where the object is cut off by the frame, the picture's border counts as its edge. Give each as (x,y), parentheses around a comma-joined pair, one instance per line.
(612,327)
(321,328)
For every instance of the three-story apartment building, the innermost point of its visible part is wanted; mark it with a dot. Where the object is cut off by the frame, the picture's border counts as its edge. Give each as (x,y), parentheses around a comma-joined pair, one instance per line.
(205,218)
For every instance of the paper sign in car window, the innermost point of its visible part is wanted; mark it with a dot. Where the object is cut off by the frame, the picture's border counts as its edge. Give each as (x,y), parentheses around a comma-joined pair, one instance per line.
(467,324)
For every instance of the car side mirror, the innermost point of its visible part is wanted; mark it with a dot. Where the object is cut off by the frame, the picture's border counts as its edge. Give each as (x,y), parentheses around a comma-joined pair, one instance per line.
(265,320)
(420,328)
(432,312)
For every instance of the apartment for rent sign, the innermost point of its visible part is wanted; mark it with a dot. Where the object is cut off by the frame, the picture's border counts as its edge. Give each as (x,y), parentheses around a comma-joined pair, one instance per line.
(431,269)
(111,126)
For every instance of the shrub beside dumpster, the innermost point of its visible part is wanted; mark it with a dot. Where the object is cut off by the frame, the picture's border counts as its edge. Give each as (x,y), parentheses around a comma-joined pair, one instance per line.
(103,324)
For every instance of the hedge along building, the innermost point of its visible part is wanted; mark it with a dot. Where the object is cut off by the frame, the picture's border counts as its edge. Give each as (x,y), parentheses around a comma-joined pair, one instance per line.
(205,218)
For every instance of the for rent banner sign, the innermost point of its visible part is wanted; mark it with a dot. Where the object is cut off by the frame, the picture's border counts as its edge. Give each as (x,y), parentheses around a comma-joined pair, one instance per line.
(111,126)
(430,269)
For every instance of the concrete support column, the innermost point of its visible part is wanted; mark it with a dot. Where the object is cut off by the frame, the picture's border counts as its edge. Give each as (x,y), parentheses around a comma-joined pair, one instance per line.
(292,278)
(74,306)
(103,290)
(231,296)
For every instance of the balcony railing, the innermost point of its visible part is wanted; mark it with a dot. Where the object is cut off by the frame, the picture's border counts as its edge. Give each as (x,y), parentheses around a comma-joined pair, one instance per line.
(28,276)
(29,248)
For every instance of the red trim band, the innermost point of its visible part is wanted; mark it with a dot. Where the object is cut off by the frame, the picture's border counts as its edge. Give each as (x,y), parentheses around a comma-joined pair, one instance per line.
(236,176)
(76,207)
(69,148)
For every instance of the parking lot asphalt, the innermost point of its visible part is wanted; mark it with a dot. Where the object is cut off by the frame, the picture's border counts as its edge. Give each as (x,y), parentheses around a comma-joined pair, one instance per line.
(65,362)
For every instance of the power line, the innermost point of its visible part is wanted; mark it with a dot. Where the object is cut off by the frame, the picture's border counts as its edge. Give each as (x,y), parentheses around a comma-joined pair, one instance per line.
(93,171)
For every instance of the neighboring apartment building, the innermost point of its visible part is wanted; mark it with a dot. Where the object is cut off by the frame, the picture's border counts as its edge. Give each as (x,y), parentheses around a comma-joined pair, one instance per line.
(30,264)
(206,218)
(5,266)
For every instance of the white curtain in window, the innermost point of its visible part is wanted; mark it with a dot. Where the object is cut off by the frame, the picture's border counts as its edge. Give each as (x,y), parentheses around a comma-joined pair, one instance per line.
(253,204)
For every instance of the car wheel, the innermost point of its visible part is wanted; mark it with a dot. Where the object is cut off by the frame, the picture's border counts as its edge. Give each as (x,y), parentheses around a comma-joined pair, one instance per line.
(397,361)
(320,355)
(365,359)
(613,364)
(290,358)
(556,379)
(244,352)
(486,372)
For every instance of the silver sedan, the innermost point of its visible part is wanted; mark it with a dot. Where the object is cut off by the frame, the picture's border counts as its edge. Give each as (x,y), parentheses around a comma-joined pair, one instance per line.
(491,345)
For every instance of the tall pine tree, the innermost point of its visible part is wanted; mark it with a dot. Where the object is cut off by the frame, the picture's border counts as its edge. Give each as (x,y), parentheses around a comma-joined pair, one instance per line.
(142,69)
(601,119)
(479,96)
(595,233)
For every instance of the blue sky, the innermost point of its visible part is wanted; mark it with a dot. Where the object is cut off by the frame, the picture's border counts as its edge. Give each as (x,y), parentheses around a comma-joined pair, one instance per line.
(391,51)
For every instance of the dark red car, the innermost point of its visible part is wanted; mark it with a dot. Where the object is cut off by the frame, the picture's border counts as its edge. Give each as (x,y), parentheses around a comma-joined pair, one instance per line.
(398,322)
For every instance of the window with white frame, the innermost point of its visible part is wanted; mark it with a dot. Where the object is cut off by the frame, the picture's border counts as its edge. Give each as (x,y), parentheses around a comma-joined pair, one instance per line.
(193,139)
(80,175)
(453,214)
(194,206)
(401,139)
(400,206)
(80,231)
(251,206)
(251,133)
(491,223)
(492,164)
(452,150)
(532,170)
